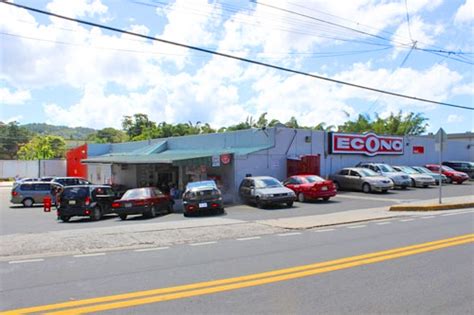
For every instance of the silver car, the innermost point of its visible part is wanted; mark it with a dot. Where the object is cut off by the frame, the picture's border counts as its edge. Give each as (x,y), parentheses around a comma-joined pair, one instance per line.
(265,190)
(30,193)
(417,179)
(355,178)
(399,179)
(435,176)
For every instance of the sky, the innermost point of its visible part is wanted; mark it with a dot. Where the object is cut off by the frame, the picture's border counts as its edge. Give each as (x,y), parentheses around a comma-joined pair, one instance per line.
(65,73)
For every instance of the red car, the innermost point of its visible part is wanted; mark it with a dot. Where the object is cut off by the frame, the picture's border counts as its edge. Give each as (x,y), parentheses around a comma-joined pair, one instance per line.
(311,187)
(148,201)
(452,175)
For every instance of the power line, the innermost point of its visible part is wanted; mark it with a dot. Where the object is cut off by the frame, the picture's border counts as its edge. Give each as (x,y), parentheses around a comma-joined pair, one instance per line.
(408,20)
(236,57)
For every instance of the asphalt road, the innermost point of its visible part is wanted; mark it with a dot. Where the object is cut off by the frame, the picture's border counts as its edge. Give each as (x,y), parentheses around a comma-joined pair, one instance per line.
(16,219)
(434,280)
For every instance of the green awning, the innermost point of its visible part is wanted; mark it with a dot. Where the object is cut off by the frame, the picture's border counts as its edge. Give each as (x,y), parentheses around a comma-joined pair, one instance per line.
(176,157)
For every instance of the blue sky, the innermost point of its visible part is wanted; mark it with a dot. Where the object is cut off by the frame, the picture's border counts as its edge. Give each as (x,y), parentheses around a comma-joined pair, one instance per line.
(61,72)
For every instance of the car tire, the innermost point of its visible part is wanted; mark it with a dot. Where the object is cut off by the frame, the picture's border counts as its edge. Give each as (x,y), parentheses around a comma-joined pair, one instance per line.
(449,180)
(301,197)
(366,188)
(384,191)
(258,203)
(151,213)
(326,198)
(404,187)
(413,183)
(28,202)
(289,204)
(336,184)
(65,218)
(96,214)
(123,217)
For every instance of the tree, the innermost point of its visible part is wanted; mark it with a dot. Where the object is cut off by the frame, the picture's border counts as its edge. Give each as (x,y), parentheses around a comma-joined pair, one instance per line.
(323,127)
(108,135)
(395,124)
(292,123)
(43,148)
(136,125)
(12,137)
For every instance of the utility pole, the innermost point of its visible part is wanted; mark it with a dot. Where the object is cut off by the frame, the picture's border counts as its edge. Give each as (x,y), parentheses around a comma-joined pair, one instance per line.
(440,139)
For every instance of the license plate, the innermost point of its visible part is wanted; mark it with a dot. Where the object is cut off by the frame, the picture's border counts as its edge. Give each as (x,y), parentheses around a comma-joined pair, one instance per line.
(203,205)
(324,188)
(72,202)
(128,205)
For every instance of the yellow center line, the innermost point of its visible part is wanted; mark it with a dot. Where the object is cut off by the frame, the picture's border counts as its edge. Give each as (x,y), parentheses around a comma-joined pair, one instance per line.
(164,294)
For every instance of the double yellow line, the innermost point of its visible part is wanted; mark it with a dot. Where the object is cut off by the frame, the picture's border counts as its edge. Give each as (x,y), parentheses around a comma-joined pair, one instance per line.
(183,291)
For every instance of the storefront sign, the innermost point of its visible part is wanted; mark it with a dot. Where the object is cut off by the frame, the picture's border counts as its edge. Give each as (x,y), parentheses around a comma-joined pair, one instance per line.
(418,149)
(225,158)
(369,144)
(216,162)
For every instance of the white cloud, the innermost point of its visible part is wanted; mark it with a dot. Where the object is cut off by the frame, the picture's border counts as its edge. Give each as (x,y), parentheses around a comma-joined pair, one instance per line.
(14,98)
(453,118)
(77,8)
(464,89)
(465,13)
(424,33)
(17,118)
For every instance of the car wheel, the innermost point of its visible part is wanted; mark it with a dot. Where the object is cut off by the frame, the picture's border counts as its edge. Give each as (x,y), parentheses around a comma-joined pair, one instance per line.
(123,217)
(366,188)
(301,197)
(338,187)
(404,187)
(289,204)
(28,202)
(325,198)
(413,183)
(169,209)
(258,203)
(459,183)
(152,212)
(96,214)
(449,180)
(384,191)
(65,218)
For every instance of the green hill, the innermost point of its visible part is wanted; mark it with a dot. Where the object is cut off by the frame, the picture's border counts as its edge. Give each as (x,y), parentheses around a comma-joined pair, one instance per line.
(77,133)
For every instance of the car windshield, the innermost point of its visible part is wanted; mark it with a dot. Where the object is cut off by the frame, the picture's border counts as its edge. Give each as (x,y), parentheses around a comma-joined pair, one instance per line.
(447,168)
(267,183)
(75,192)
(386,168)
(367,172)
(311,179)
(206,183)
(407,170)
(138,193)
(421,169)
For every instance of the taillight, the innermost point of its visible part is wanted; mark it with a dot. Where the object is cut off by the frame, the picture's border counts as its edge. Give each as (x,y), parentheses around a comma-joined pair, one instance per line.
(214,205)
(115,205)
(87,201)
(191,207)
(14,193)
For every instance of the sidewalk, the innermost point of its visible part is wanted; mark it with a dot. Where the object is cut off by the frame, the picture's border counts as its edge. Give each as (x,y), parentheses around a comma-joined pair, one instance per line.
(448,203)
(6,184)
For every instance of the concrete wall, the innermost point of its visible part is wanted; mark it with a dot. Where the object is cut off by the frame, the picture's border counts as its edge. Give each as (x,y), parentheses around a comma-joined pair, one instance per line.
(12,168)
(127,176)
(100,173)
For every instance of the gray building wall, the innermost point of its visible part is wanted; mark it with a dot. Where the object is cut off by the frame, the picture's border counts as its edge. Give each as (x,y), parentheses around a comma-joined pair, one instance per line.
(35,168)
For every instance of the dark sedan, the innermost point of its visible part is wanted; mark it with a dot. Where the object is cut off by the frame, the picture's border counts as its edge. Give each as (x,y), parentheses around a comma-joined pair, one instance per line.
(201,197)
(147,201)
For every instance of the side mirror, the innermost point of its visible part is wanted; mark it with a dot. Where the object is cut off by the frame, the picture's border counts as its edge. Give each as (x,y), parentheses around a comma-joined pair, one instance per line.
(252,191)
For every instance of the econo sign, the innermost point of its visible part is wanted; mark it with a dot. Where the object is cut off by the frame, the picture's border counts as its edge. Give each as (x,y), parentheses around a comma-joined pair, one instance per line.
(368,144)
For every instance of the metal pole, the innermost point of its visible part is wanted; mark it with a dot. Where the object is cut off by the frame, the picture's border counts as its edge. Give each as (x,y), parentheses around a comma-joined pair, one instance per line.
(440,177)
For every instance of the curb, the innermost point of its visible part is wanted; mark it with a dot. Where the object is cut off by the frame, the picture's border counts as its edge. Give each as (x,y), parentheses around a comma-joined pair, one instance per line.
(432,207)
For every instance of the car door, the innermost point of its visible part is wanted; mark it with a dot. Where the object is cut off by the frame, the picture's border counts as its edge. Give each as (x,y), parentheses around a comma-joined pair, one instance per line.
(40,192)
(160,200)
(342,178)
(355,180)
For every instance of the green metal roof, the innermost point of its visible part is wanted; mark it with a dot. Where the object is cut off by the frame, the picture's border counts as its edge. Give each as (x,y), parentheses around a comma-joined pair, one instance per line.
(171,156)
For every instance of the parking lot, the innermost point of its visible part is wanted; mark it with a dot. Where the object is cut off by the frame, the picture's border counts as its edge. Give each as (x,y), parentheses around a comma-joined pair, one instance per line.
(17,219)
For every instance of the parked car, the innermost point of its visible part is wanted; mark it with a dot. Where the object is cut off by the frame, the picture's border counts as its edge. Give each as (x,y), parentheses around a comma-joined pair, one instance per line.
(362,179)
(265,190)
(417,179)
(25,179)
(310,187)
(71,181)
(452,175)
(435,176)
(462,166)
(92,201)
(30,193)
(399,179)
(147,201)
(202,196)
